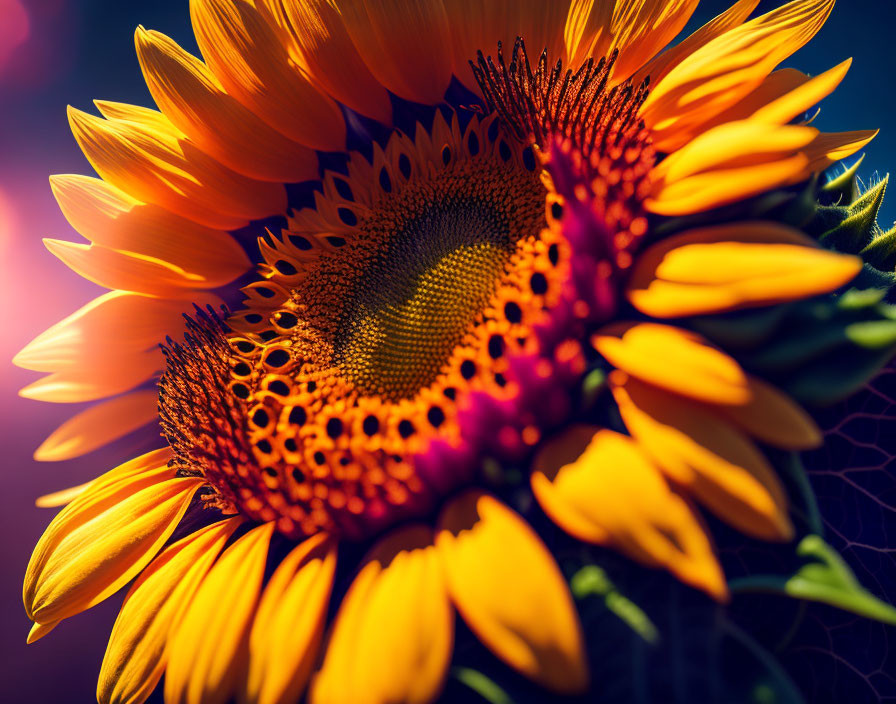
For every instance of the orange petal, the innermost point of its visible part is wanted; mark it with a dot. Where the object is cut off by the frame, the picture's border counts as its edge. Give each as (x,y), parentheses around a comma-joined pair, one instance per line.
(208,648)
(510,591)
(800,99)
(96,381)
(726,69)
(829,148)
(289,625)
(641,28)
(99,425)
(39,630)
(125,271)
(600,487)
(61,497)
(143,154)
(327,55)
(107,216)
(690,366)
(662,63)
(406,45)
(135,656)
(727,267)
(249,56)
(393,635)
(699,449)
(773,418)
(588,31)
(188,93)
(100,541)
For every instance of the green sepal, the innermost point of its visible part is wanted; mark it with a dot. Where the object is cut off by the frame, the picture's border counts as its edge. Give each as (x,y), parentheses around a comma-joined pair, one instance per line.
(591,580)
(742,329)
(482,684)
(881,252)
(858,226)
(843,188)
(825,578)
(836,375)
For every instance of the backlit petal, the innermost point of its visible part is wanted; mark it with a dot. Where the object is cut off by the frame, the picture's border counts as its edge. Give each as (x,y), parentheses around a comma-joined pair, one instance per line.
(209,647)
(107,216)
(103,539)
(829,148)
(188,93)
(699,449)
(249,57)
(98,425)
(600,487)
(143,154)
(328,56)
(800,99)
(510,591)
(726,69)
(61,497)
(406,45)
(289,625)
(727,267)
(690,366)
(95,381)
(135,656)
(394,632)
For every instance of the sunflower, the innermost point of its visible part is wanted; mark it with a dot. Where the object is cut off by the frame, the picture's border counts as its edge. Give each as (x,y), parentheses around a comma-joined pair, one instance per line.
(494,292)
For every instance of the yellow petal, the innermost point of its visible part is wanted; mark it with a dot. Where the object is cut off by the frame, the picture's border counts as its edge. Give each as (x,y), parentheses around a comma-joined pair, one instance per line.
(394,632)
(406,45)
(773,418)
(61,497)
(510,591)
(144,155)
(107,216)
(288,627)
(829,148)
(727,267)
(188,93)
(98,425)
(249,57)
(674,359)
(600,487)
(125,271)
(39,630)
(209,647)
(726,69)
(699,449)
(803,97)
(103,539)
(327,55)
(641,28)
(730,162)
(135,656)
(662,63)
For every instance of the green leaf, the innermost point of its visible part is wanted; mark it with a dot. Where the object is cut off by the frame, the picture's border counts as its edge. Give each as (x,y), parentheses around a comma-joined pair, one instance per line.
(483,685)
(591,580)
(825,578)
(837,375)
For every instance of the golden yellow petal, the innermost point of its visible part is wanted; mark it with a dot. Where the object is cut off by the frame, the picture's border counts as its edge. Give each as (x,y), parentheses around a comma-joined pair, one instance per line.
(600,487)
(774,418)
(39,630)
(690,366)
(829,148)
(641,28)
(662,63)
(98,425)
(103,539)
(727,267)
(61,497)
(95,381)
(700,450)
(328,57)
(136,654)
(143,154)
(406,45)
(506,585)
(208,648)
(249,56)
(188,93)
(803,97)
(107,216)
(726,69)
(289,624)
(394,632)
